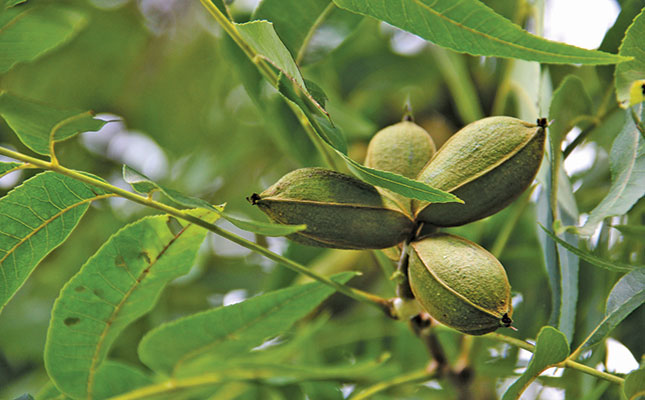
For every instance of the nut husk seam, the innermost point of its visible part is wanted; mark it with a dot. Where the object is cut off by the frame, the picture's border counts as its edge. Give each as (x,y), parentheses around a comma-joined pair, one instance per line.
(324,203)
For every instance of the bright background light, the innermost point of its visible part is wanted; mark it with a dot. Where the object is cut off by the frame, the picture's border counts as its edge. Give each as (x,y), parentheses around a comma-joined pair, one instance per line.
(582,23)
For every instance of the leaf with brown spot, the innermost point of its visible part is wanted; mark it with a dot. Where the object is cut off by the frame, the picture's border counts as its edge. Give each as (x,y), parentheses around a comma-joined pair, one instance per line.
(124,280)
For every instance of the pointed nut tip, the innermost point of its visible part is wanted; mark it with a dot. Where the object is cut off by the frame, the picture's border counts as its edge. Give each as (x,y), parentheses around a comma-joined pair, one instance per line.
(253,199)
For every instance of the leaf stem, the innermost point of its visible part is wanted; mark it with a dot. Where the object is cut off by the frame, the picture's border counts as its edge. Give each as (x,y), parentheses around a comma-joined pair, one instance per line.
(56,128)
(355,294)
(568,363)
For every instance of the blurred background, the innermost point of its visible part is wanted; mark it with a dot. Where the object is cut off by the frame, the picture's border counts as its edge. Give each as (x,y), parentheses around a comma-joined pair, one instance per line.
(169,79)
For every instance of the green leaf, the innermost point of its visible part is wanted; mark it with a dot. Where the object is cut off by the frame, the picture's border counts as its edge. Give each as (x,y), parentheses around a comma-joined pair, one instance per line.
(316,115)
(292,19)
(143,184)
(7,167)
(590,258)
(549,248)
(526,86)
(35,218)
(114,378)
(570,102)
(627,295)
(227,332)
(37,124)
(551,348)
(297,22)
(627,165)
(400,184)
(283,374)
(469,26)
(629,9)
(569,268)
(29,32)
(562,266)
(628,72)
(262,37)
(634,386)
(118,284)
